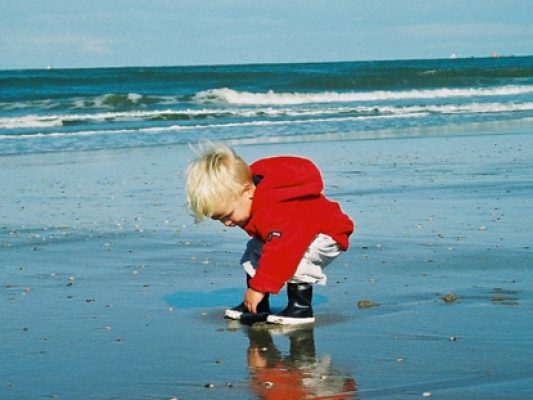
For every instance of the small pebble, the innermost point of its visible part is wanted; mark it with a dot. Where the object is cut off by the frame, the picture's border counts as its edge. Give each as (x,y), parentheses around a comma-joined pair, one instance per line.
(366,303)
(450,298)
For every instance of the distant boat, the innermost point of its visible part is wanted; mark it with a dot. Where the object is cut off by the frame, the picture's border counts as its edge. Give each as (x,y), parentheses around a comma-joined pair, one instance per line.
(50,66)
(453,56)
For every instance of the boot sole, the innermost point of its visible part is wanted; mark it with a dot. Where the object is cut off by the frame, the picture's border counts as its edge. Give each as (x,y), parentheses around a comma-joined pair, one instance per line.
(232,314)
(279,320)
(247,318)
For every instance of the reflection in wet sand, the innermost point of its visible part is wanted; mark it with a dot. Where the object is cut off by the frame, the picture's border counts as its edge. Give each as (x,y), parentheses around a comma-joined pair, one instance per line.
(300,374)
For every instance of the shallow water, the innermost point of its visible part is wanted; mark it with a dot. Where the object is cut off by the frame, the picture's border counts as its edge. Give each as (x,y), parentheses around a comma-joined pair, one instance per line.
(89,259)
(109,108)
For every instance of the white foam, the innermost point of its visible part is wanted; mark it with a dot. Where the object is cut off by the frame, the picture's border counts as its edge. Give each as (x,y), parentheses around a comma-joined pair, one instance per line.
(36,121)
(134,97)
(29,121)
(229,96)
(40,121)
(470,108)
(155,130)
(102,101)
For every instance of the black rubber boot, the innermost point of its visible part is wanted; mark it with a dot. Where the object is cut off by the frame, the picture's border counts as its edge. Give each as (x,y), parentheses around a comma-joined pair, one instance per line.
(299,310)
(240,312)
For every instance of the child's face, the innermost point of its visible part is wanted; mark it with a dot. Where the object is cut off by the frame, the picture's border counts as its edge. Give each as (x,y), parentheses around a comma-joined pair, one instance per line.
(236,211)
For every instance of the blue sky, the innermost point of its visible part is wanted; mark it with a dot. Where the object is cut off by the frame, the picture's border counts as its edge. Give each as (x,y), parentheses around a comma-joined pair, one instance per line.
(102,33)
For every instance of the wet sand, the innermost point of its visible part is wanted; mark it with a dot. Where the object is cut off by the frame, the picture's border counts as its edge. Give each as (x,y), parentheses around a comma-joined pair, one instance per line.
(109,291)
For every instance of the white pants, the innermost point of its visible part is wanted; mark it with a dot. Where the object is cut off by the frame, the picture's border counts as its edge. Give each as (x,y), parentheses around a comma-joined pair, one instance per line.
(322,251)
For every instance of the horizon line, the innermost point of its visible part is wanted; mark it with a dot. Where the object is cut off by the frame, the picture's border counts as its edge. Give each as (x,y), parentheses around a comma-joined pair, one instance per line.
(452,57)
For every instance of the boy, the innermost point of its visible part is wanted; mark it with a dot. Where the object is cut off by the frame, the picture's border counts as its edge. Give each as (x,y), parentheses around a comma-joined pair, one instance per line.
(295,230)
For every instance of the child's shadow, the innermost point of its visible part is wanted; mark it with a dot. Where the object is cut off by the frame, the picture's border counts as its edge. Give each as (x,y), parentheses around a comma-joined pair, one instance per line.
(298,374)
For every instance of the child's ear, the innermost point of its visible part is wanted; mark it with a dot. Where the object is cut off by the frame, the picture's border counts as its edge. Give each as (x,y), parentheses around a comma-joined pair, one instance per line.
(248,189)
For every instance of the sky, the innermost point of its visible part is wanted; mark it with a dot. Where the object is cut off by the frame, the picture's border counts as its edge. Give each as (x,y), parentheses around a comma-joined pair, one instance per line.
(115,33)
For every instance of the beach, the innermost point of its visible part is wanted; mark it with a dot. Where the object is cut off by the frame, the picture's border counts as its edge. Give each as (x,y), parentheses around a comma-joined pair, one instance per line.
(110,291)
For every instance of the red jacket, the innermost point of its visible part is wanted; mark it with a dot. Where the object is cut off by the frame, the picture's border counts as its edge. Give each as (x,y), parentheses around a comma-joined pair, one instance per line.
(288,211)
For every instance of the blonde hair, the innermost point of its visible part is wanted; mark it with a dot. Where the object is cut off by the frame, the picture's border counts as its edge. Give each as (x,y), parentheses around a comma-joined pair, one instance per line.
(217,175)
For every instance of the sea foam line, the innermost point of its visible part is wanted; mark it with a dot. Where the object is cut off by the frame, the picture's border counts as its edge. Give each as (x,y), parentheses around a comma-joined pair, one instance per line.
(36,121)
(39,121)
(230,96)
(155,130)
(105,101)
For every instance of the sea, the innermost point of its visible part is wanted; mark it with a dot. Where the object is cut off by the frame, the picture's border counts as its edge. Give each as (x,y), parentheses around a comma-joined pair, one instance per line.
(56,110)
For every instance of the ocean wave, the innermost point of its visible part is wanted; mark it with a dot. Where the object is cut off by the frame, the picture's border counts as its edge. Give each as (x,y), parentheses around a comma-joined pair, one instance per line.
(119,101)
(36,121)
(59,120)
(230,96)
(40,121)
(469,108)
(110,101)
(29,121)
(155,130)
(356,129)
(132,102)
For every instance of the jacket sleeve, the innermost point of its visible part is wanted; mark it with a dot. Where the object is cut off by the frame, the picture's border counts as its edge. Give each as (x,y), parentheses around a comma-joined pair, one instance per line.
(285,244)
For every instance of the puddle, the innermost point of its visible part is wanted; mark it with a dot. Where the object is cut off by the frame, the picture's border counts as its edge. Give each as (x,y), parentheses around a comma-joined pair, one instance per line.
(225,298)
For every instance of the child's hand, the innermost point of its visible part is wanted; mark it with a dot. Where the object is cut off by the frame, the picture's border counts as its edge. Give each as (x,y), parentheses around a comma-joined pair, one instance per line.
(252,299)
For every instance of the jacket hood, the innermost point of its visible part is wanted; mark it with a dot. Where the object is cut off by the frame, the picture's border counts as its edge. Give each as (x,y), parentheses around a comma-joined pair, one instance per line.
(285,178)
